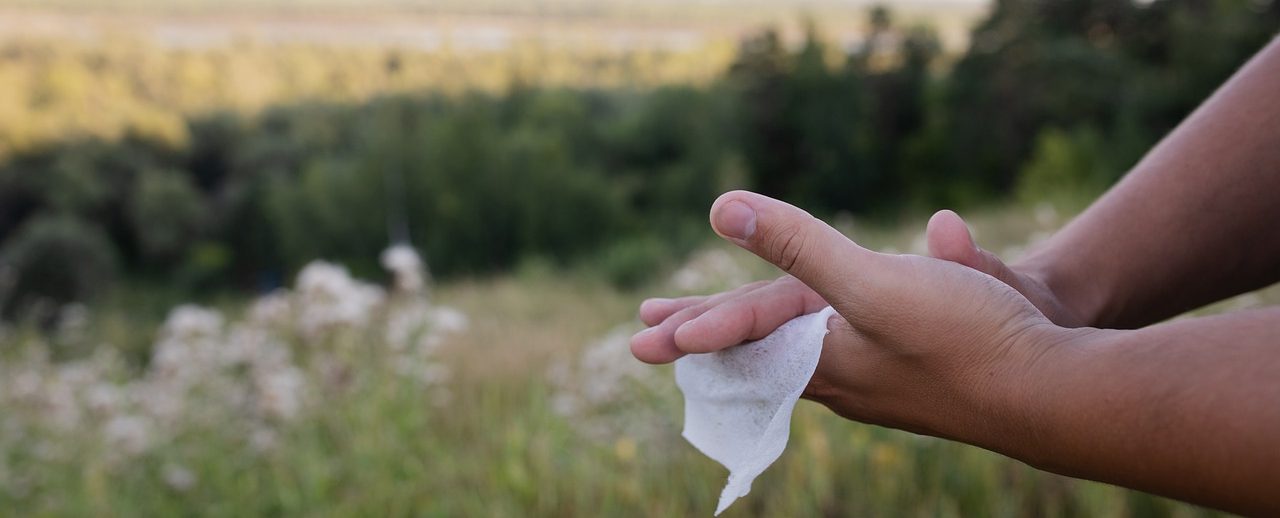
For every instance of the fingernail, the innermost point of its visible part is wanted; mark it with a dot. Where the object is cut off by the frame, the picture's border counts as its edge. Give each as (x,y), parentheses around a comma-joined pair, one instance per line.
(736,220)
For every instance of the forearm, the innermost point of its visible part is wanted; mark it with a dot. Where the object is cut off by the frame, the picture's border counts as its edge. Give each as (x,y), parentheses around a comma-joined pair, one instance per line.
(1192,223)
(1188,409)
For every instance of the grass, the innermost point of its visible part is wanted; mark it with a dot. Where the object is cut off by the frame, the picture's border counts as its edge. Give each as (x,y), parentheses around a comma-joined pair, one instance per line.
(494,440)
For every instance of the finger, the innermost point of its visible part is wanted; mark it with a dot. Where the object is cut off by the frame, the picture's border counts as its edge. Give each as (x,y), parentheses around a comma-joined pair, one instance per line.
(748,317)
(949,239)
(654,311)
(657,344)
(851,278)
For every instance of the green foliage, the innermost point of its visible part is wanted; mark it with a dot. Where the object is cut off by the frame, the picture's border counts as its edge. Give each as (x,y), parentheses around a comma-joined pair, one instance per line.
(234,167)
(827,129)
(166,213)
(53,260)
(1128,70)
(1066,166)
(630,263)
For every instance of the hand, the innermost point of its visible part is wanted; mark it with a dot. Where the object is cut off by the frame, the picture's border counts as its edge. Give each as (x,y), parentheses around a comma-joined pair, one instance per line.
(920,344)
(949,239)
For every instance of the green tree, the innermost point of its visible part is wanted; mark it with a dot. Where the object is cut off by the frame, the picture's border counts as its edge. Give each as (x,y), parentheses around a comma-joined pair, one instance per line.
(167,214)
(55,259)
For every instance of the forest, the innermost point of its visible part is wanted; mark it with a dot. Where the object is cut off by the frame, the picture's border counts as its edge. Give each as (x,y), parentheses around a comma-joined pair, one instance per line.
(214,170)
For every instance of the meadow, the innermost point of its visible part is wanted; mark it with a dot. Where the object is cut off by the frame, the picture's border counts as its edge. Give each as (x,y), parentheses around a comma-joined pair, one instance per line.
(200,314)
(505,396)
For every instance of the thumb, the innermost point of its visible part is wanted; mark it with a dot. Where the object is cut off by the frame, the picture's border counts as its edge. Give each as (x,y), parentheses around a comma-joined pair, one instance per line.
(949,239)
(839,270)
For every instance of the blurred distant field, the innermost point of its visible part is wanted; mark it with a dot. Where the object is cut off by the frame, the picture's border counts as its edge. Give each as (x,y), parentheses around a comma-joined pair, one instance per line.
(338,258)
(477,26)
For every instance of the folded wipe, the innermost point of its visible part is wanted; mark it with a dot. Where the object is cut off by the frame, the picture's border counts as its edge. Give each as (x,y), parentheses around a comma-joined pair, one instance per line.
(738,401)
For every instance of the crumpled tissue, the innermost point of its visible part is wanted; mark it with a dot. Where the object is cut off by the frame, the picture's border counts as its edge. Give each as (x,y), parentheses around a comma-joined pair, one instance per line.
(738,401)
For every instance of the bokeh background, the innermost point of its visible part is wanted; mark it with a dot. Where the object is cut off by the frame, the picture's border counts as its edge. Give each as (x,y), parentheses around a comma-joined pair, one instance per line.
(350,258)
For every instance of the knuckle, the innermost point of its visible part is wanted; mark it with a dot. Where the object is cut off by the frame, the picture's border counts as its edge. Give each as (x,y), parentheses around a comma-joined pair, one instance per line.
(787,247)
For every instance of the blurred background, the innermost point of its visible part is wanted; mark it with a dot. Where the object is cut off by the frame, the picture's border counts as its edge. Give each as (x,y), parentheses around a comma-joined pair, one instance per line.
(341,257)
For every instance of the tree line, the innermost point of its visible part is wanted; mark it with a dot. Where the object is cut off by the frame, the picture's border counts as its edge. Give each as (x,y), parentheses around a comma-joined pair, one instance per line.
(1051,98)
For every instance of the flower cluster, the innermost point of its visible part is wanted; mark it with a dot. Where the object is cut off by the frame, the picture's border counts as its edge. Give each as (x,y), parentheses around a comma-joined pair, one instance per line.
(607,393)
(406,266)
(709,271)
(243,377)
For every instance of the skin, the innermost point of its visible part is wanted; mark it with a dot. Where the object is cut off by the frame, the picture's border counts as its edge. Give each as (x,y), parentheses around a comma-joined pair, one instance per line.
(1055,360)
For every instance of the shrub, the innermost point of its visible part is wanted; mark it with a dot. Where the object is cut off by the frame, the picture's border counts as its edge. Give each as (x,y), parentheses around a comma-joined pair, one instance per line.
(55,259)
(629,263)
(1066,167)
(166,213)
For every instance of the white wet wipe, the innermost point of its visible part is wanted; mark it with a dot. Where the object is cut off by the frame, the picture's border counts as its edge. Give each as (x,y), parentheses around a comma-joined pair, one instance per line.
(738,401)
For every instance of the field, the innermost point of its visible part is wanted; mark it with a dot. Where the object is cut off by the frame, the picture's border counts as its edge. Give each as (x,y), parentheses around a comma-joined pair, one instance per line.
(199,314)
(520,400)
(475,27)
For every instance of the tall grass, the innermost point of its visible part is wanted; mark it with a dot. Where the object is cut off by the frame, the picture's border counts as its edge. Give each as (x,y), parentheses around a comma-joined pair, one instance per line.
(543,413)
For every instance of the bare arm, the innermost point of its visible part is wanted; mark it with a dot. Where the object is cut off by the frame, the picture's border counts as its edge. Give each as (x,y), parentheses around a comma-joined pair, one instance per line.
(1188,409)
(1194,222)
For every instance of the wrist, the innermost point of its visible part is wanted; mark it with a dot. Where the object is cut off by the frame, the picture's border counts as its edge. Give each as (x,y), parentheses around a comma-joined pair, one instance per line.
(1021,421)
(1040,397)
(1079,298)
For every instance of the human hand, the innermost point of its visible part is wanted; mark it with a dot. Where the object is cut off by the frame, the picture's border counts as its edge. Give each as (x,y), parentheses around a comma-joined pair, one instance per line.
(949,239)
(921,344)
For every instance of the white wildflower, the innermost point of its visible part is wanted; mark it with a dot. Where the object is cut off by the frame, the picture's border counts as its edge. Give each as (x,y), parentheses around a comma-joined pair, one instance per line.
(407,267)
(26,385)
(165,404)
(328,297)
(272,309)
(280,392)
(711,270)
(608,370)
(609,392)
(239,377)
(688,279)
(178,477)
(128,433)
(408,324)
(192,321)
(189,349)
(104,397)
